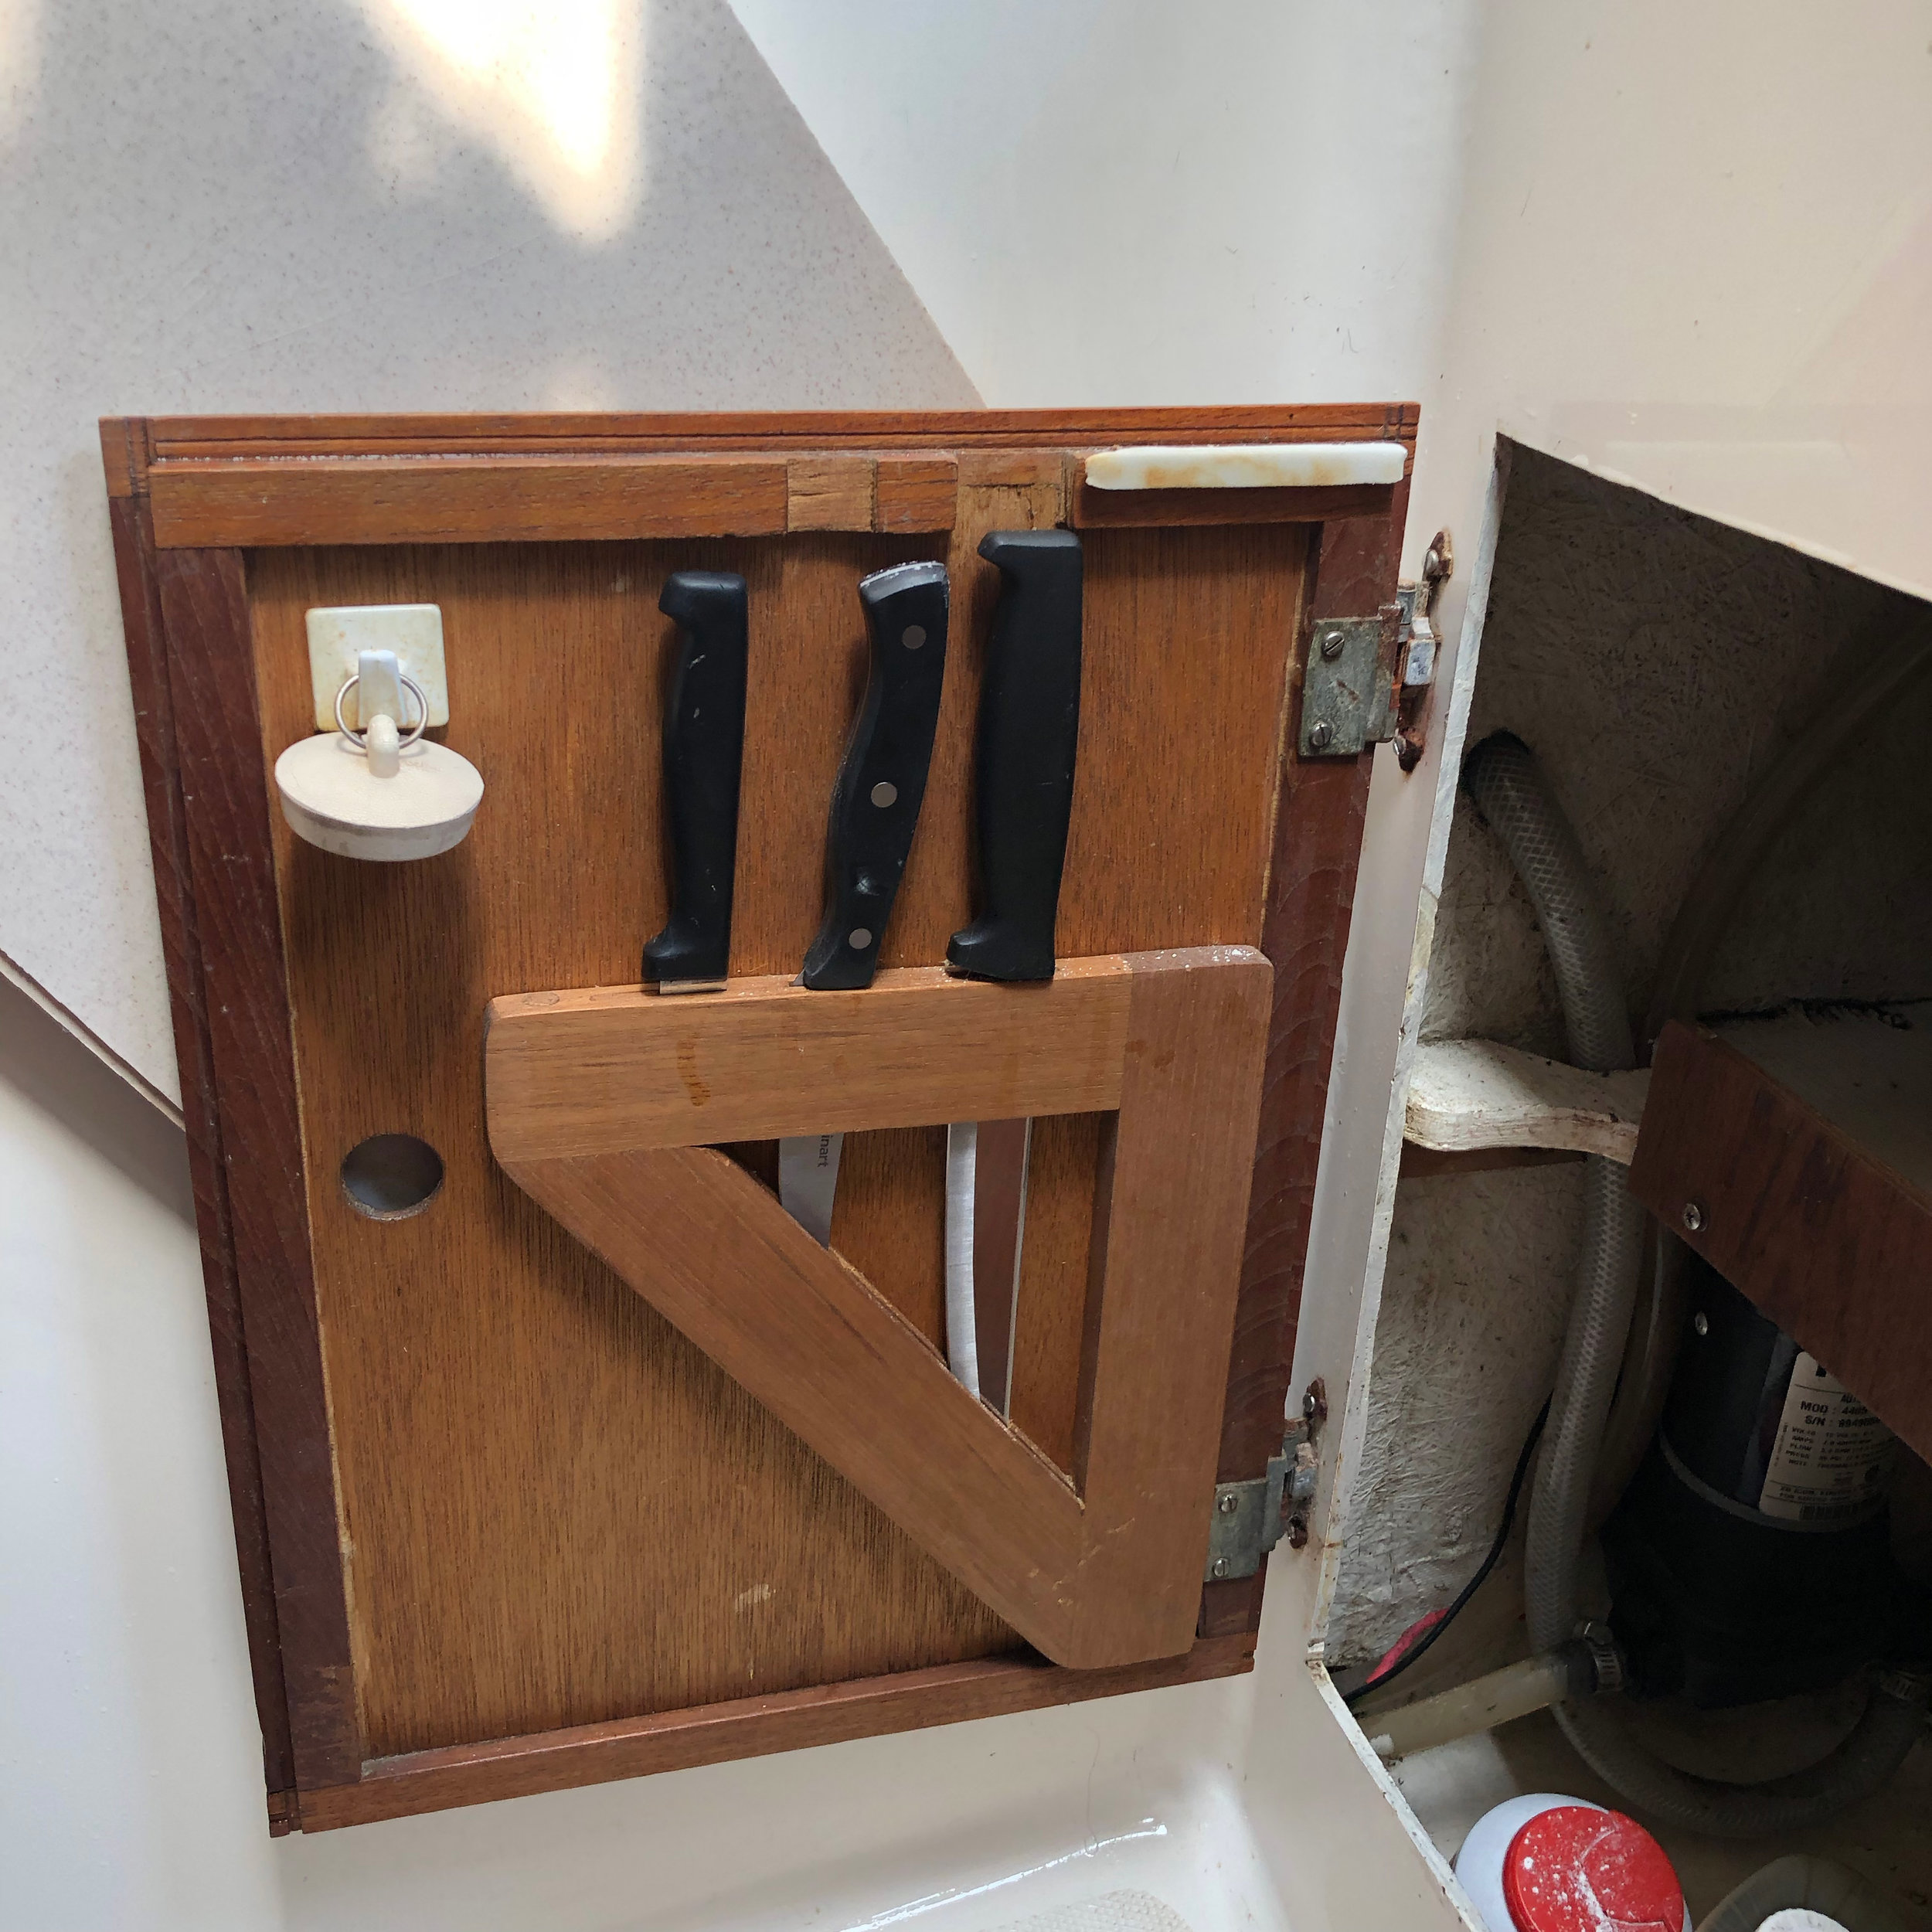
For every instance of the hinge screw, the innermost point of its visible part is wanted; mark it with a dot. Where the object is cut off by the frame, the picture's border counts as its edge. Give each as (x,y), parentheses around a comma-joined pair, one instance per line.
(1220,1566)
(1331,643)
(1693,1216)
(1228,1505)
(1322,737)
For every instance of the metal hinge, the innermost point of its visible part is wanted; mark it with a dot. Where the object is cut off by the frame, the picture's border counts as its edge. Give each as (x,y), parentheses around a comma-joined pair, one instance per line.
(1418,643)
(1247,1521)
(1359,669)
(1419,636)
(1348,697)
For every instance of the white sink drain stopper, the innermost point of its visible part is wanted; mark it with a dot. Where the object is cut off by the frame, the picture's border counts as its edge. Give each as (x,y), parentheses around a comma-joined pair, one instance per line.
(371,790)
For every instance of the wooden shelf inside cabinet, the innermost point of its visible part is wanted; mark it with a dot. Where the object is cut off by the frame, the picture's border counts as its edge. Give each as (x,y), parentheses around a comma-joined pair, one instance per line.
(1794,1153)
(517,1505)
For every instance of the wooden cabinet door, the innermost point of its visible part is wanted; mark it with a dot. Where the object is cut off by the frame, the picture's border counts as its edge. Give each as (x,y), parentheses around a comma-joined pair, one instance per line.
(598,1466)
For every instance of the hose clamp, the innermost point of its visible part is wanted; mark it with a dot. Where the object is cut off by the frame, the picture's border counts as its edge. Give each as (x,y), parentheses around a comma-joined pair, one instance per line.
(1908,1686)
(1606,1659)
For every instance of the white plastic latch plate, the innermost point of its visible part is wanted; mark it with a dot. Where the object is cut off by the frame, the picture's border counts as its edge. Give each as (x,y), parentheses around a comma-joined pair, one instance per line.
(339,635)
(1246,466)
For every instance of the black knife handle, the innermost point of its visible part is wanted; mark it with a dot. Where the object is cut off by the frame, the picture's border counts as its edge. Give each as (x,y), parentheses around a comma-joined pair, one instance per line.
(704,742)
(875,804)
(1029,727)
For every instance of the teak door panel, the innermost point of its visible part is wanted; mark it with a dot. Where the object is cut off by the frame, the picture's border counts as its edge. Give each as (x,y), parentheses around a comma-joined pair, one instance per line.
(537,1511)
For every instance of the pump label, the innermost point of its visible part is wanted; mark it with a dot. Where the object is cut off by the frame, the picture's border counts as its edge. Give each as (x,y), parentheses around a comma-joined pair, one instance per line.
(1829,1458)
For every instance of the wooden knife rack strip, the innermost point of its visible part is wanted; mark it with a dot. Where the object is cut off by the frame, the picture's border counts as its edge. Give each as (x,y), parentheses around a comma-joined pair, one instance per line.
(201,507)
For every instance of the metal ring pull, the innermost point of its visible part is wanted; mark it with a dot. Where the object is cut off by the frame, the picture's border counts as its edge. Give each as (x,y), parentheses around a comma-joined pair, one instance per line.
(359,737)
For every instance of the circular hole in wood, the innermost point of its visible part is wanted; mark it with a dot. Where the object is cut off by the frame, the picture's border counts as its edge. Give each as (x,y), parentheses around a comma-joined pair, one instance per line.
(389,1177)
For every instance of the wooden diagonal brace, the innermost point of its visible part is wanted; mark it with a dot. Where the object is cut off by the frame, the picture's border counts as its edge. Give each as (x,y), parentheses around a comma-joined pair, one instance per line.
(600,1106)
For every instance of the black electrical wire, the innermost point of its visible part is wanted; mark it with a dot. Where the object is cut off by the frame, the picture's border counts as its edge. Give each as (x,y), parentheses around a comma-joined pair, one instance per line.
(1474,1583)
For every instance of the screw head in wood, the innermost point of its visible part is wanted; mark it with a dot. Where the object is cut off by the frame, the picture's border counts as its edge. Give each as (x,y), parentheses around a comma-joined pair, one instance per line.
(1322,737)
(885,793)
(858,938)
(1693,1216)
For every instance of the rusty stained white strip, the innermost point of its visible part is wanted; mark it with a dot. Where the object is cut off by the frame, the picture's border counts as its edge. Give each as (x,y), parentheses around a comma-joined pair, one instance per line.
(1245,466)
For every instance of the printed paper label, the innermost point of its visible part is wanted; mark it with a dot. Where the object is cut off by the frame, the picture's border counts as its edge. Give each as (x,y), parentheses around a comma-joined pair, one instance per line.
(1829,1462)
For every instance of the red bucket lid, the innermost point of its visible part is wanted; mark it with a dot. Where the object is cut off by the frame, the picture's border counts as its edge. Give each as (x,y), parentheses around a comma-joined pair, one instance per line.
(1575,1869)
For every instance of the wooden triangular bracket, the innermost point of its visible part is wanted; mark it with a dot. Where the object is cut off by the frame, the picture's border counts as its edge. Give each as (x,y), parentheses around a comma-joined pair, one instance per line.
(604,1105)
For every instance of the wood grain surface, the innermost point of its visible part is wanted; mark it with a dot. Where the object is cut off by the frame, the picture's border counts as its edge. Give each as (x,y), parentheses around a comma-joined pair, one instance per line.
(204,606)
(527,1452)
(165,438)
(553,1512)
(1167,1262)
(1321,804)
(502,498)
(1109,1577)
(829,492)
(1049,1316)
(747,1727)
(916,493)
(557,1511)
(194,1051)
(473,499)
(255,481)
(608,1069)
(1317,846)
(1158,510)
(1807,1219)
